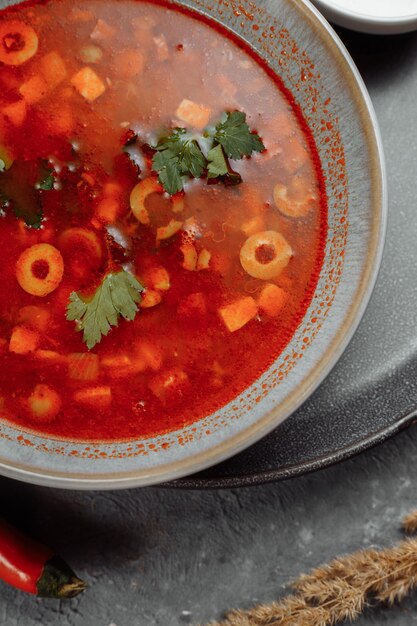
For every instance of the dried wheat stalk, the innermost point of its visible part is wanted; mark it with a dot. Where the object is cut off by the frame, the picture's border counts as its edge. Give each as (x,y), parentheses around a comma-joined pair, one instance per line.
(340,590)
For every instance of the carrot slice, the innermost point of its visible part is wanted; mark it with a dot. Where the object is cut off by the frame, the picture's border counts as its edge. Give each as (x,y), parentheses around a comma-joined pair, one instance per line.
(15,112)
(39,269)
(88,84)
(193,114)
(18,42)
(272,299)
(239,313)
(23,340)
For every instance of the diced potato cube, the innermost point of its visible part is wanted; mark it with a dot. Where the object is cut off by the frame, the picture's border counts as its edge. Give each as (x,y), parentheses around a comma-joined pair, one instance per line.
(15,112)
(239,313)
(194,304)
(121,365)
(193,114)
(272,299)
(108,209)
(100,397)
(102,31)
(169,384)
(204,259)
(23,340)
(150,298)
(190,256)
(34,89)
(44,403)
(157,278)
(88,84)
(83,366)
(35,317)
(49,357)
(53,69)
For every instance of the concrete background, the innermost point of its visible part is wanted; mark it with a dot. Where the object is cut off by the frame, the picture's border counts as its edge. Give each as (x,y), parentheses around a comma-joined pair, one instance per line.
(168,557)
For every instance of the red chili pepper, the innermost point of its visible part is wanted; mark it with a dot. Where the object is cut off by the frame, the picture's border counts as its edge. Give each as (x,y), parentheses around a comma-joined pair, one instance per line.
(31,567)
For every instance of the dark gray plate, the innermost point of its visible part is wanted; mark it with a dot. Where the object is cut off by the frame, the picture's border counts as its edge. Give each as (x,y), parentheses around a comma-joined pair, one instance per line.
(372,393)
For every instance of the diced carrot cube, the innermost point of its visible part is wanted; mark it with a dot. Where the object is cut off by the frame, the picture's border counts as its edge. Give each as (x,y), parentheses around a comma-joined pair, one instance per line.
(36,317)
(130,63)
(88,84)
(95,396)
(239,313)
(102,30)
(34,89)
(157,278)
(53,69)
(121,365)
(189,256)
(107,211)
(150,298)
(169,384)
(83,366)
(15,112)
(150,354)
(23,340)
(194,304)
(204,259)
(49,357)
(272,299)
(112,190)
(193,114)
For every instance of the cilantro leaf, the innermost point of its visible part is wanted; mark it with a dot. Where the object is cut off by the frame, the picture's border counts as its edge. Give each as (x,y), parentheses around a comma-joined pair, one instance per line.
(177,155)
(217,164)
(46,176)
(236,138)
(117,296)
(219,167)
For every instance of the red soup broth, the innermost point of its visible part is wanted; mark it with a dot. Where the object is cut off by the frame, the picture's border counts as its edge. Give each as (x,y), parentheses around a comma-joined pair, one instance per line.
(77,81)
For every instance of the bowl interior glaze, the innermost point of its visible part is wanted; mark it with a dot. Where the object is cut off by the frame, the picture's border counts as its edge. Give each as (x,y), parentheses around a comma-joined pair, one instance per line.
(296,43)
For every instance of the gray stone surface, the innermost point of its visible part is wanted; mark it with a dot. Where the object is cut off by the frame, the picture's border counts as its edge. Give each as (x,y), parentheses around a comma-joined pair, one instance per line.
(169,558)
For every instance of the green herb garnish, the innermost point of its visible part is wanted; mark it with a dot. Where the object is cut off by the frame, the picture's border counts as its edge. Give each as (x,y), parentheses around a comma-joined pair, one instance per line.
(46,177)
(117,296)
(179,154)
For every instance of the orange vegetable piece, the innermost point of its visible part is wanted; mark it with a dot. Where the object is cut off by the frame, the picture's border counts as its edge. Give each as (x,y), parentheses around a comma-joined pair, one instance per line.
(193,114)
(157,278)
(239,313)
(204,259)
(107,210)
(102,30)
(15,112)
(272,299)
(150,298)
(34,89)
(39,269)
(83,366)
(44,403)
(150,354)
(53,69)
(49,357)
(138,197)
(190,256)
(121,365)
(18,42)
(95,396)
(35,317)
(171,229)
(169,384)
(88,84)
(23,340)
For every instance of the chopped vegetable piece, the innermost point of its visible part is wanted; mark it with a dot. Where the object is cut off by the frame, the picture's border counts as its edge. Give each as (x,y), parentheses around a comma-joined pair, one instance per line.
(83,366)
(53,69)
(49,357)
(102,31)
(272,299)
(239,313)
(165,232)
(169,384)
(190,256)
(88,84)
(150,298)
(193,114)
(44,403)
(95,396)
(265,254)
(157,278)
(108,209)
(204,259)
(252,226)
(18,42)
(15,112)
(138,197)
(236,138)
(34,89)
(178,203)
(35,317)
(150,354)
(292,207)
(23,340)
(121,366)
(90,54)
(39,269)
(117,296)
